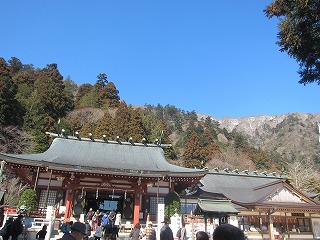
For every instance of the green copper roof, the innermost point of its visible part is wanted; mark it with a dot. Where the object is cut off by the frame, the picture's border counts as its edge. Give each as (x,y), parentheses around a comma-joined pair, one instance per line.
(82,154)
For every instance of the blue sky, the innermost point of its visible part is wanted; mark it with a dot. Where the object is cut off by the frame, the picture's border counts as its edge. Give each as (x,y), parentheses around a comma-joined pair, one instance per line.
(215,57)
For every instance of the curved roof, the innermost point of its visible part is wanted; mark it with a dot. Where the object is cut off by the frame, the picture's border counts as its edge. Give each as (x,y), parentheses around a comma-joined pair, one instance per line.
(241,187)
(87,154)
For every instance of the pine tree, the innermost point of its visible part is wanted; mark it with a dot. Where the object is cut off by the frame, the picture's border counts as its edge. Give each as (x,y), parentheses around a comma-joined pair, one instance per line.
(193,154)
(105,127)
(136,130)
(109,96)
(10,108)
(121,122)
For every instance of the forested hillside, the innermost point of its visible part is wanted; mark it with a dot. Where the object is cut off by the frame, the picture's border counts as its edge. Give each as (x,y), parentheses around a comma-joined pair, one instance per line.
(34,101)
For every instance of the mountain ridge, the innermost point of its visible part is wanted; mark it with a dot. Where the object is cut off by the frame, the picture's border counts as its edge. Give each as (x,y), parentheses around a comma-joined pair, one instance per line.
(294,135)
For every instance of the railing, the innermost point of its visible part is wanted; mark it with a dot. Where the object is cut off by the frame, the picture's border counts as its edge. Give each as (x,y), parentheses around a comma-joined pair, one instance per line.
(38,218)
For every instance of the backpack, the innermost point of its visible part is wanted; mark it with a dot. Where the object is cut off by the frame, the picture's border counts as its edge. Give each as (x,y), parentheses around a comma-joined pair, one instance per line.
(179,233)
(109,225)
(63,228)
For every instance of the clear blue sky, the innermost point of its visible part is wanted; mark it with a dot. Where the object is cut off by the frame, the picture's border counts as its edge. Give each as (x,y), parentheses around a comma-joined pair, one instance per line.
(215,57)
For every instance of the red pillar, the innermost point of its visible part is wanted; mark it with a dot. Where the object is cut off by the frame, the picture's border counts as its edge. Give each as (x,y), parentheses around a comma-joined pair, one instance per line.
(69,205)
(136,212)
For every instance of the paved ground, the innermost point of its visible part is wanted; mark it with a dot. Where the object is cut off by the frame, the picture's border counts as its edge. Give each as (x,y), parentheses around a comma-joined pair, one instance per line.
(122,236)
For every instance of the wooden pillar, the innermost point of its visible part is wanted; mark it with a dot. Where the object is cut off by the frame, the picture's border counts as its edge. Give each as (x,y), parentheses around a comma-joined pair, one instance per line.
(136,211)
(287,225)
(271,233)
(69,203)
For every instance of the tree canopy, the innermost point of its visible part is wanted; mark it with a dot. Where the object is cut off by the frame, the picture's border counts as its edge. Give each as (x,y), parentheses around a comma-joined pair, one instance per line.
(299,34)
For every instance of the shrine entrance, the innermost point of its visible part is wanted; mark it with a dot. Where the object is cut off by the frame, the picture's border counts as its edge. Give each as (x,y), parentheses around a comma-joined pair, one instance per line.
(104,202)
(109,201)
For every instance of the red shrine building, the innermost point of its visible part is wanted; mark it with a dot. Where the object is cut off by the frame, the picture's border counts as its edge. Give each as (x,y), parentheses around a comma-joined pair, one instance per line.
(76,174)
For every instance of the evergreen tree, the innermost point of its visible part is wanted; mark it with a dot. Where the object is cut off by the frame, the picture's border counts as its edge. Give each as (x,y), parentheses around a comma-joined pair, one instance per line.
(15,65)
(193,154)
(51,91)
(299,34)
(83,99)
(136,130)
(121,122)
(109,96)
(105,127)
(10,108)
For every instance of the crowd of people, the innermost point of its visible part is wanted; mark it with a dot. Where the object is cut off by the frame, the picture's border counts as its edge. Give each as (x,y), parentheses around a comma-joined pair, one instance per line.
(107,226)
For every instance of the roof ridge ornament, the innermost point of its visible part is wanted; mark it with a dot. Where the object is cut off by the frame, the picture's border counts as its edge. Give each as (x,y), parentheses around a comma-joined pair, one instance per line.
(105,140)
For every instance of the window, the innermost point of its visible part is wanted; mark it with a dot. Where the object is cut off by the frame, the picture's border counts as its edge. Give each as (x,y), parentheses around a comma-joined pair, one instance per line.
(154,204)
(186,208)
(51,198)
(304,224)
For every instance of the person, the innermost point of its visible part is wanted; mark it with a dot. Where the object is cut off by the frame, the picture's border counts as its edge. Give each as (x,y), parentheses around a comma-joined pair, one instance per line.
(78,231)
(16,228)
(228,232)
(5,231)
(135,234)
(264,228)
(88,230)
(117,223)
(149,232)
(183,232)
(66,227)
(166,232)
(253,228)
(201,235)
(42,233)
(95,220)
(89,216)
(108,225)
(98,234)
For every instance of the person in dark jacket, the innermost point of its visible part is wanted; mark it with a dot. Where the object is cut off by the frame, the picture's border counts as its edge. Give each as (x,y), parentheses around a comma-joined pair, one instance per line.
(16,228)
(228,232)
(166,232)
(201,235)
(6,234)
(42,233)
(78,231)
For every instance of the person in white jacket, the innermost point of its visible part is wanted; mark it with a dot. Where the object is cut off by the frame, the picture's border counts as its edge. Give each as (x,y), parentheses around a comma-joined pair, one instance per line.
(117,223)
(98,234)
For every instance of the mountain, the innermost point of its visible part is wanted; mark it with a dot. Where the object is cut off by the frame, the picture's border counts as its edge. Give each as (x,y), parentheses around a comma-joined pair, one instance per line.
(293,136)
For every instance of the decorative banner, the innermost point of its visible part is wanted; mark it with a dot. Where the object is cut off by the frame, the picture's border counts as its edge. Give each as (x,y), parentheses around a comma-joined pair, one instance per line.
(160,214)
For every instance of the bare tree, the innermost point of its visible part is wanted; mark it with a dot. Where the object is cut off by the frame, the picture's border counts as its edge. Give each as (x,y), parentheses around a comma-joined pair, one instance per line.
(13,187)
(232,159)
(13,140)
(303,175)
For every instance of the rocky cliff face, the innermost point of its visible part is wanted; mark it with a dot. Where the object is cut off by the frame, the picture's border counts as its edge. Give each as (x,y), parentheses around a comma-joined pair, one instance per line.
(295,135)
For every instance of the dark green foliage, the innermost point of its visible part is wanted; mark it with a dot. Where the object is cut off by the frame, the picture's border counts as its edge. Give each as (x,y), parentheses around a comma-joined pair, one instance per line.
(299,34)
(28,199)
(50,89)
(36,99)
(193,155)
(10,109)
(172,204)
(109,96)
(122,122)
(104,127)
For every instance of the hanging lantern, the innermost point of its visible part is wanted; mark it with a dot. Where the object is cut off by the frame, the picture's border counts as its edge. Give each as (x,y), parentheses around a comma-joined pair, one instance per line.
(125,194)
(81,196)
